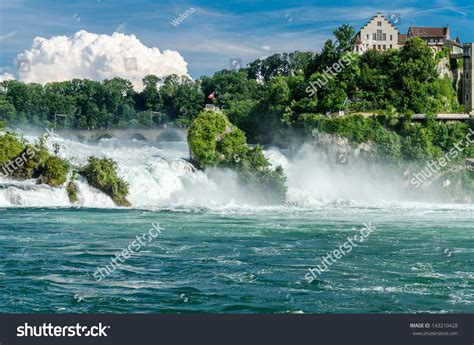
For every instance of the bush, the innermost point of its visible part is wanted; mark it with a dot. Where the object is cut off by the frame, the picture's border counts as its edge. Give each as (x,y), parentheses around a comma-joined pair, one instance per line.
(418,146)
(203,137)
(71,188)
(71,192)
(35,161)
(10,147)
(257,173)
(388,145)
(54,171)
(102,174)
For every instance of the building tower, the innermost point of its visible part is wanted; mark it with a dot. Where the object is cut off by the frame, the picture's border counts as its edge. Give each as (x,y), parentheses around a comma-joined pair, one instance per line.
(468,84)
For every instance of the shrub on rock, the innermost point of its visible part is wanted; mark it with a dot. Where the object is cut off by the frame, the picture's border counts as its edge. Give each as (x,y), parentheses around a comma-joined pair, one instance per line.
(215,142)
(102,174)
(54,171)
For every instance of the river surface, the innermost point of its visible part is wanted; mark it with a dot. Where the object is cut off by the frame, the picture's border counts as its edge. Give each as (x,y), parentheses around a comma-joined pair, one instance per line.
(220,250)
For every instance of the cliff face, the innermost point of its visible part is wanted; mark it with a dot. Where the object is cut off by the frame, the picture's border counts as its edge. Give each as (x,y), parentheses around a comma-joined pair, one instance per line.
(444,68)
(457,82)
(339,147)
(453,70)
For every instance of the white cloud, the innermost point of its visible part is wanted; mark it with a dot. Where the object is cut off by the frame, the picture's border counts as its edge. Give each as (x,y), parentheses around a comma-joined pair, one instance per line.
(6,76)
(92,56)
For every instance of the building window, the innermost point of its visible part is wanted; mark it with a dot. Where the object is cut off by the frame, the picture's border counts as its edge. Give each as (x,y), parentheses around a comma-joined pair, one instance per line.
(379,23)
(379,35)
(391,38)
(367,36)
(374,37)
(384,47)
(391,47)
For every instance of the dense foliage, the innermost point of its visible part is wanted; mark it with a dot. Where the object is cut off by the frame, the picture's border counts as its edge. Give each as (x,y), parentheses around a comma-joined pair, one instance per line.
(91,104)
(54,171)
(215,142)
(25,161)
(102,174)
(10,147)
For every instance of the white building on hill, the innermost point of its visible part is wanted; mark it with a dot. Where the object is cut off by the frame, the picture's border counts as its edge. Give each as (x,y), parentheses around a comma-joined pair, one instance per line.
(379,34)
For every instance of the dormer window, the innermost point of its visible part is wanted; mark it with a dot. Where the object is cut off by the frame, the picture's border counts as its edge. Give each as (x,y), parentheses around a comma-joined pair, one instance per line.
(379,23)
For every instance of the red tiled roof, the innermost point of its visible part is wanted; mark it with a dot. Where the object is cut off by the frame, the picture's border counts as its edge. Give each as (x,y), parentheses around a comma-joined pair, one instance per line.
(357,39)
(402,39)
(428,32)
(454,43)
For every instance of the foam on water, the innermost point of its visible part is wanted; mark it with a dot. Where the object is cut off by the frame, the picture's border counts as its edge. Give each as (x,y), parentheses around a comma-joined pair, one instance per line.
(29,194)
(159,176)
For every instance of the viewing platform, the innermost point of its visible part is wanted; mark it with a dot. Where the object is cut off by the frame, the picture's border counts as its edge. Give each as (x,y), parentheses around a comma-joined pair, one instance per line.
(444,117)
(419,117)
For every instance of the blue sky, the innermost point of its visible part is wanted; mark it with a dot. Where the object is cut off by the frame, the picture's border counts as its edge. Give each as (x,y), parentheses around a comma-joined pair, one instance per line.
(217,30)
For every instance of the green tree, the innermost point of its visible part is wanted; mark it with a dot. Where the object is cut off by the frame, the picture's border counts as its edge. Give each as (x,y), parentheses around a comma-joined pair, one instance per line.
(150,97)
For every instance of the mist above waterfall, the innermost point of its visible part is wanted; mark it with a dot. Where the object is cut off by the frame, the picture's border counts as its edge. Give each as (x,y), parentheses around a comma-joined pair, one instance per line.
(315,177)
(160,176)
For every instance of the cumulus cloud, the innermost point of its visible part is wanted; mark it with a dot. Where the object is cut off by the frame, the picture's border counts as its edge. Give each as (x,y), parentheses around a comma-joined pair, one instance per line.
(91,56)
(6,76)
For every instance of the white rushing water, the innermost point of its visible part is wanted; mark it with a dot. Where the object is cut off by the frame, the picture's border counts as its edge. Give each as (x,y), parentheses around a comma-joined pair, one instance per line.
(159,176)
